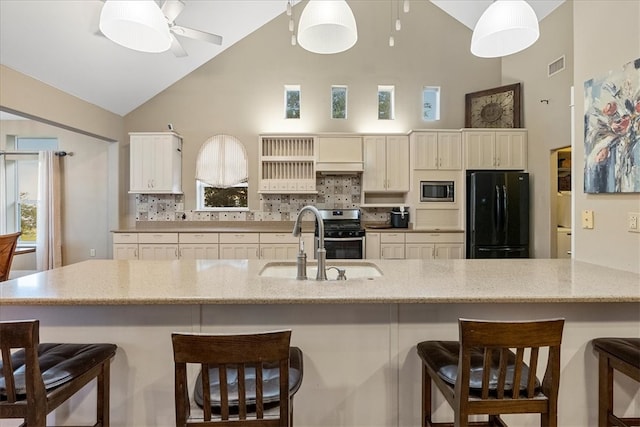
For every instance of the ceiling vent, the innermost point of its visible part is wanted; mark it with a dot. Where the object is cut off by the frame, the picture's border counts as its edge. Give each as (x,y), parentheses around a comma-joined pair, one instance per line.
(556,66)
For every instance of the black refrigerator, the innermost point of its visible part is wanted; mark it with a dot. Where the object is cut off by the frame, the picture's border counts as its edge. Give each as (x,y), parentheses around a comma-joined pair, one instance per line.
(497,214)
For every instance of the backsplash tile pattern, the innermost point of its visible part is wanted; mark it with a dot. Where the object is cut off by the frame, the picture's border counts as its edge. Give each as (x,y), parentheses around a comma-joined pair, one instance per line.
(334,191)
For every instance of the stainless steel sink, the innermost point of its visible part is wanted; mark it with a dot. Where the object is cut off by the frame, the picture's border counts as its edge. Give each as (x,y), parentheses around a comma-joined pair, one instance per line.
(287,270)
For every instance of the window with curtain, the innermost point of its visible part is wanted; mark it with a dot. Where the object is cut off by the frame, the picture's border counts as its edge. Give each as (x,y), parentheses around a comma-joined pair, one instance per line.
(20,186)
(222,174)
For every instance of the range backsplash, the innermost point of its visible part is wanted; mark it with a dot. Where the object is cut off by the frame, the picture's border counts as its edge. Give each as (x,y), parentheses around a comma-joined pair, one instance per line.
(334,191)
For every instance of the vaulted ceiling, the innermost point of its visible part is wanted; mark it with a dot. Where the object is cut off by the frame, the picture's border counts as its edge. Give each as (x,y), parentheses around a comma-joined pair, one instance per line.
(58,43)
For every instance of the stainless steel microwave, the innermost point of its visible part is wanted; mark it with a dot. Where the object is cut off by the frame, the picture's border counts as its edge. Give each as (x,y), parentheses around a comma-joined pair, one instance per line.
(437,191)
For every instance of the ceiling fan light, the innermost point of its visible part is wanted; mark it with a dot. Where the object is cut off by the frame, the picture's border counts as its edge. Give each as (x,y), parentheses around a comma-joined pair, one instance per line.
(327,26)
(138,25)
(506,27)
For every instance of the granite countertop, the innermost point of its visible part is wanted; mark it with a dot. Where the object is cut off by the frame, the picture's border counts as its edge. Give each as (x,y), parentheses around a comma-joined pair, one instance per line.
(119,282)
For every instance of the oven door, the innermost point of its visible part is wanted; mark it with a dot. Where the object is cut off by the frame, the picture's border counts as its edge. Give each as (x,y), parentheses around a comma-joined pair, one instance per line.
(343,247)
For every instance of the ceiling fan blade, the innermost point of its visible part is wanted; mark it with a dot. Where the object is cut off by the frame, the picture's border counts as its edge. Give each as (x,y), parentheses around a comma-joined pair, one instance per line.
(172,8)
(177,48)
(196,34)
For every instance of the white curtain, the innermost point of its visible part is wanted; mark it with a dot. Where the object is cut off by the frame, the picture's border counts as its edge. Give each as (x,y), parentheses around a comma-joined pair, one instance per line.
(222,162)
(48,239)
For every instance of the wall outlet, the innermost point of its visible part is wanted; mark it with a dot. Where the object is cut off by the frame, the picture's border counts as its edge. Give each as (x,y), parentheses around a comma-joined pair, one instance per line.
(633,222)
(92,252)
(587,219)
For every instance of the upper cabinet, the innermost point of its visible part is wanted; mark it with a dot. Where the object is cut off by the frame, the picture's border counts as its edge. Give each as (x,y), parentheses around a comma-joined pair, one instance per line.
(437,150)
(156,162)
(386,164)
(339,154)
(495,149)
(287,164)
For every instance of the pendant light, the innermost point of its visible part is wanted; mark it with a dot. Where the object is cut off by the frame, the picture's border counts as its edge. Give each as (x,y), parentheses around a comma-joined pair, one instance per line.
(506,27)
(327,26)
(138,25)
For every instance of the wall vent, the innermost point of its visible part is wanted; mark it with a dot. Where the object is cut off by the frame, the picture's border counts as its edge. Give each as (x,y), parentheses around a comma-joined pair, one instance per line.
(556,66)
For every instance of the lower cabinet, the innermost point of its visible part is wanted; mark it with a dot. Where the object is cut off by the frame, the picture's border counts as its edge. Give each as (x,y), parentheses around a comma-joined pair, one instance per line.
(125,246)
(239,245)
(157,245)
(392,246)
(198,245)
(284,246)
(434,245)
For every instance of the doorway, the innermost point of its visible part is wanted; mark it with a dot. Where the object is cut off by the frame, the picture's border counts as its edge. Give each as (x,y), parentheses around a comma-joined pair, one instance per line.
(561,203)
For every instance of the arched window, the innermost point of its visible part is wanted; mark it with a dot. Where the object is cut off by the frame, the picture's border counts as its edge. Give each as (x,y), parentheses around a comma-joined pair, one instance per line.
(222,174)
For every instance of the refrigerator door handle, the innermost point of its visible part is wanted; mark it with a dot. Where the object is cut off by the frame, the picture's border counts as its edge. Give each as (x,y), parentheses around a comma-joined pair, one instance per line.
(501,249)
(505,210)
(497,217)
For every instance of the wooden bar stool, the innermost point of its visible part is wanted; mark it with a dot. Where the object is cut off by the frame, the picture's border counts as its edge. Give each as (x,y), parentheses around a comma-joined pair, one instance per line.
(38,378)
(623,355)
(8,243)
(245,379)
(481,374)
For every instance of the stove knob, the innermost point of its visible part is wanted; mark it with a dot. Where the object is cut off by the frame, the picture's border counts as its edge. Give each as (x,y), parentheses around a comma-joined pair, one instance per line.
(340,233)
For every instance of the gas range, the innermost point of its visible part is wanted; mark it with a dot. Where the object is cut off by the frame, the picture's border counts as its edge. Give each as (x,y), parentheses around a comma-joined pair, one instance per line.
(341,223)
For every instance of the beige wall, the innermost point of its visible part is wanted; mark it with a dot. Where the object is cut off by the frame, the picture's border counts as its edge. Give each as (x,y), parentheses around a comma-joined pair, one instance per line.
(241,91)
(602,45)
(548,124)
(92,184)
(85,189)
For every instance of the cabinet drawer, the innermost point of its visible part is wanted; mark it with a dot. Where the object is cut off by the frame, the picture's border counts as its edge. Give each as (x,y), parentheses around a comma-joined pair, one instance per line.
(278,238)
(198,238)
(158,238)
(392,237)
(240,238)
(125,237)
(434,237)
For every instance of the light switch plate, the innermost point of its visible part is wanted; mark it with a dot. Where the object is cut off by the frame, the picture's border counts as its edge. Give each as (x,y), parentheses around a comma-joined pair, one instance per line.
(587,219)
(633,222)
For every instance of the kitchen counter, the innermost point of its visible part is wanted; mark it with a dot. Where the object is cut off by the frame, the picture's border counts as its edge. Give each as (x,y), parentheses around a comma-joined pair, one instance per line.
(122,282)
(358,336)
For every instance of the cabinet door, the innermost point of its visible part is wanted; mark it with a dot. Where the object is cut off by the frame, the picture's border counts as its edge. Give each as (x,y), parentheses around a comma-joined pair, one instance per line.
(479,150)
(374,176)
(239,251)
(161,252)
(392,251)
(564,244)
(397,163)
(449,251)
(155,163)
(511,150)
(419,251)
(450,150)
(125,251)
(198,251)
(425,150)
(372,246)
(279,251)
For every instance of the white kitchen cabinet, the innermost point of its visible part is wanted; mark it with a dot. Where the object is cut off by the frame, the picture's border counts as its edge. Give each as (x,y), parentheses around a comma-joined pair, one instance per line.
(162,246)
(239,245)
(392,246)
(284,246)
(287,164)
(434,245)
(125,245)
(372,245)
(564,242)
(437,150)
(155,162)
(491,149)
(339,154)
(386,164)
(198,245)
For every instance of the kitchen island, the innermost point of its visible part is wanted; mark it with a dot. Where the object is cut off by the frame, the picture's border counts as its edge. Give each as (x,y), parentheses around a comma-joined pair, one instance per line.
(358,336)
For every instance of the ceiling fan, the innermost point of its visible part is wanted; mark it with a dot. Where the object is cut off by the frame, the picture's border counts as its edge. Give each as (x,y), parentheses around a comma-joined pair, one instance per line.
(171,9)
(143,26)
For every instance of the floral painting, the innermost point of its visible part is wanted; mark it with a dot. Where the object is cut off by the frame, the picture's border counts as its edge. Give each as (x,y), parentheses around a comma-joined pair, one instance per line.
(612,131)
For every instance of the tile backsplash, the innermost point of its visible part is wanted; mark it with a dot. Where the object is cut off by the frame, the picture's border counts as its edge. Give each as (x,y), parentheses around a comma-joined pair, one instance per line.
(334,191)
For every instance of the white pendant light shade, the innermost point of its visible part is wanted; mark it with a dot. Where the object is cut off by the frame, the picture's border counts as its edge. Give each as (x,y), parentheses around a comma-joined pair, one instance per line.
(506,27)
(327,26)
(138,25)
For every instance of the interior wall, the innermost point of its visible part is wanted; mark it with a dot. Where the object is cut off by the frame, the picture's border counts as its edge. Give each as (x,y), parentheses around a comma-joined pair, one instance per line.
(548,123)
(596,53)
(85,189)
(241,91)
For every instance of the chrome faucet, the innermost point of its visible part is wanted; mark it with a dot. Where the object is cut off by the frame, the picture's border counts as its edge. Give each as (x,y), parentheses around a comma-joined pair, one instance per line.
(321,252)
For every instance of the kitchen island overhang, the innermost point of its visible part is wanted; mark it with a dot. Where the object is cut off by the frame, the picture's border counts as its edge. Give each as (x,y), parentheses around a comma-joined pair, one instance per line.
(358,336)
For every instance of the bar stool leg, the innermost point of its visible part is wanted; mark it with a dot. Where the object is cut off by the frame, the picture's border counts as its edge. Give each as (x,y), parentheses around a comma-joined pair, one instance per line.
(426,397)
(605,390)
